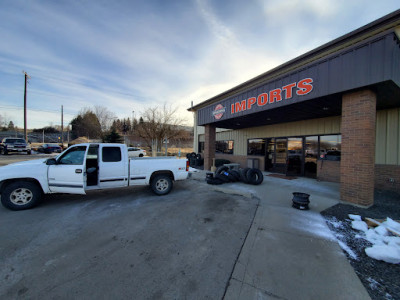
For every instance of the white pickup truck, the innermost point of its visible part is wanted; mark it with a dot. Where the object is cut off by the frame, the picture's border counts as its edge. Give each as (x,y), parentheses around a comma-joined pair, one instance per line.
(86,167)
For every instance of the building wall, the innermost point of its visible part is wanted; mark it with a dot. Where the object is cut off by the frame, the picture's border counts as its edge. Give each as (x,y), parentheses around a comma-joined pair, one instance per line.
(328,170)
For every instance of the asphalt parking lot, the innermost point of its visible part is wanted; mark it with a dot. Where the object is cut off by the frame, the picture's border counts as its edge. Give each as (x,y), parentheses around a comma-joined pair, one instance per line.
(125,243)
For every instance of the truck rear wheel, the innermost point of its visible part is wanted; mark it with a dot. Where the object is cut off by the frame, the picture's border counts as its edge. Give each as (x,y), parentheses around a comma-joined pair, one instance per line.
(21,195)
(161,184)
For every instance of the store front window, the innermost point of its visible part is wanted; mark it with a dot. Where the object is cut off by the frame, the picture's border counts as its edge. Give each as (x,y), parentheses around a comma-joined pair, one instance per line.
(201,147)
(256,147)
(330,147)
(296,155)
(311,156)
(225,147)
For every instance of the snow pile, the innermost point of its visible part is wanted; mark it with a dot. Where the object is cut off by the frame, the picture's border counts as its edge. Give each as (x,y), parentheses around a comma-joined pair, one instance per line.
(385,246)
(193,170)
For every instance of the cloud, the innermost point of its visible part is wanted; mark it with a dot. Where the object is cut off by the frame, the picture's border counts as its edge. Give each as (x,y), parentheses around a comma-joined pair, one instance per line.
(130,55)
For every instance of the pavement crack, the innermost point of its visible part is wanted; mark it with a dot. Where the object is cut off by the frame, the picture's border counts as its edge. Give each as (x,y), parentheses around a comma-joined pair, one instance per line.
(269,294)
(241,247)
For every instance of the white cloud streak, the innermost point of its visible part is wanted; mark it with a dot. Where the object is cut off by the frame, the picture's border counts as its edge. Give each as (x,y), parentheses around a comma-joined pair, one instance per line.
(132,55)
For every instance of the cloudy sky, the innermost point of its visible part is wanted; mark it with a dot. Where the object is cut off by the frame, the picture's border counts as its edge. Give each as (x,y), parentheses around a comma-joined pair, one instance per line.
(127,55)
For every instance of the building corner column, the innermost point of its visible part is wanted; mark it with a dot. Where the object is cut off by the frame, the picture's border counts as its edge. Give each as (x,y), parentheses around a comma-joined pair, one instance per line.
(209,145)
(357,166)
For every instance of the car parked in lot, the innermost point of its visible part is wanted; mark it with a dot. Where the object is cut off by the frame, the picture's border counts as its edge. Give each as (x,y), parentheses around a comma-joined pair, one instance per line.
(49,148)
(136,152)
(10,144)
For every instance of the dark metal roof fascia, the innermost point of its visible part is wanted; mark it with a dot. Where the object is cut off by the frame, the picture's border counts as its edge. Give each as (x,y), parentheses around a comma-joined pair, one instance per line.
(380,25)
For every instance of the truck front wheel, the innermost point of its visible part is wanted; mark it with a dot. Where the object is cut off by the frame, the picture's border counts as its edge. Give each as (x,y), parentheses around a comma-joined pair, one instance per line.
(161,184)
(21,195)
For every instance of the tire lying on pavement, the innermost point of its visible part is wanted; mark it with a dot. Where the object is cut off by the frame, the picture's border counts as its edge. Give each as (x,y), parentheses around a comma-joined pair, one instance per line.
(235,174)
(243,175)
(254,176)
(214,181)
(223,177)
(221,169)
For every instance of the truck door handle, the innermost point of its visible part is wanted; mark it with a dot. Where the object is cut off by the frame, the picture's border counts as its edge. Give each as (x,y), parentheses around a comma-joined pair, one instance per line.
(78,171)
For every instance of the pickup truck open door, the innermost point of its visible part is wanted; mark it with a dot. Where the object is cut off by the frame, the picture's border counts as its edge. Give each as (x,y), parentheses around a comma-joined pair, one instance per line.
(68,175)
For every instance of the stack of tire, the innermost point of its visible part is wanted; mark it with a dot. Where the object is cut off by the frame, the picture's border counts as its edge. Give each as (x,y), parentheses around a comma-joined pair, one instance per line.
(194,159)
(224,175)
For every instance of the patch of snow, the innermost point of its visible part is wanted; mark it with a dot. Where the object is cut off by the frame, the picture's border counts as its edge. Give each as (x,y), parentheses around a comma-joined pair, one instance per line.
(335,223)
(385,247)
(348,250)
(373,284)
(355,217)
(359,225)
(388,296)
(381,230)
(312,224)
(392,224)
(193,170)
(386,253)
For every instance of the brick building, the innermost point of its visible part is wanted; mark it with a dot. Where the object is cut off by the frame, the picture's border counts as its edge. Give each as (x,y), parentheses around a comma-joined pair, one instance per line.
(332,113)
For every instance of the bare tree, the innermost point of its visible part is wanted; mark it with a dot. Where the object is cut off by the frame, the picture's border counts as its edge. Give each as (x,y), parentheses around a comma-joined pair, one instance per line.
(159,123)
(105,117)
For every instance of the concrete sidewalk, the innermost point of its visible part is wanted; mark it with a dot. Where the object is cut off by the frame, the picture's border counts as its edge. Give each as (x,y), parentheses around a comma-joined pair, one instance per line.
(290,253)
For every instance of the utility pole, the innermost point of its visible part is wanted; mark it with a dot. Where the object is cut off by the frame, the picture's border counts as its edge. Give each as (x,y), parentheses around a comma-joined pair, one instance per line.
(62,126)
(25,127)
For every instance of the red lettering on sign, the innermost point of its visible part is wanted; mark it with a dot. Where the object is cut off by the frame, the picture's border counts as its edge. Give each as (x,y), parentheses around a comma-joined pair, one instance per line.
(275,95)
(288,90)
(262,99)
(250,102)
(304,86)
(239,106)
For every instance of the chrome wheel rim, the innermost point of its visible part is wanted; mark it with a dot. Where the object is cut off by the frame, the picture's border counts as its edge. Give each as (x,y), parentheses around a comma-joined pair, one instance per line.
(21,196)
(162,185)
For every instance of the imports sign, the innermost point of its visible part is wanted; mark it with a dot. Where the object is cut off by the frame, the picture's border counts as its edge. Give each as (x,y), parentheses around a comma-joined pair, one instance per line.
(301,88)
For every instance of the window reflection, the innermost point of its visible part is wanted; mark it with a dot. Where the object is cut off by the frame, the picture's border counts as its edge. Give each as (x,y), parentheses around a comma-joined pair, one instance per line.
(225,147)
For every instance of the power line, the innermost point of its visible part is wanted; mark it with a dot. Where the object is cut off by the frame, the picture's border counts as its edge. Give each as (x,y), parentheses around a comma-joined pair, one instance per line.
(15,107)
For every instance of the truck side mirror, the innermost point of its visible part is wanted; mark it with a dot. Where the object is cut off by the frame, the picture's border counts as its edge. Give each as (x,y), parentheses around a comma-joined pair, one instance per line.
(51,161)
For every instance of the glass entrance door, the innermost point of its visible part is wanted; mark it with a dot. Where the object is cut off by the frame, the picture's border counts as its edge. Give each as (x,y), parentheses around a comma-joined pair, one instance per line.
(280,155)
(295,156)
(270,154)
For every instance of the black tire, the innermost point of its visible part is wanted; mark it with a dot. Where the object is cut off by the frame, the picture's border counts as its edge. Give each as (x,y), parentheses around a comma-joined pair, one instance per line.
(29,152)
(235,174)
(229,175)
(20,195)
(214,181)
(5,152)
(140,155)
(243,175)
(161,184)
(221,169)
(222,177)
(255,176)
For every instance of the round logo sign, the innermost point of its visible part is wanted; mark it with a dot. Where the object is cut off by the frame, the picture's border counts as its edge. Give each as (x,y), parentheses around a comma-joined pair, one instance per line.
(219,111)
